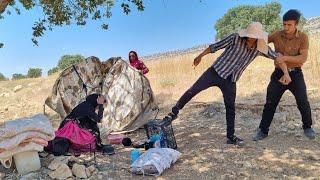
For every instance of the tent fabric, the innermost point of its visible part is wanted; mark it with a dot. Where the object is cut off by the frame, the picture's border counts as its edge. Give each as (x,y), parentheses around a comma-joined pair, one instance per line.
(130,99)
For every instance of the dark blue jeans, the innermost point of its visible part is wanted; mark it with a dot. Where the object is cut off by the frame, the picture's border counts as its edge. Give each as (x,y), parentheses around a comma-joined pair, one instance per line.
(208,79)
(274,93)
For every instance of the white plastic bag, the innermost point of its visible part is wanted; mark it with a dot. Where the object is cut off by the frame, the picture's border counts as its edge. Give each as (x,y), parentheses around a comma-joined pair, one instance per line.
(155,161)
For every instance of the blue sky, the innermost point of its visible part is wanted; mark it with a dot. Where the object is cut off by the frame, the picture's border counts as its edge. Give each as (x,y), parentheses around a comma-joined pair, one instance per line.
(164,25)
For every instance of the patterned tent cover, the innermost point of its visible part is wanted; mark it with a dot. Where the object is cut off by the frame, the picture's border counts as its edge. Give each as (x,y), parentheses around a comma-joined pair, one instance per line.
(130,99)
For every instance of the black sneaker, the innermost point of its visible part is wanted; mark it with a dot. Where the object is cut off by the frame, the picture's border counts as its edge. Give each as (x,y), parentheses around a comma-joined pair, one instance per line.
(259,136)
(172,116)
(310,133)
(236,141)
(174,113)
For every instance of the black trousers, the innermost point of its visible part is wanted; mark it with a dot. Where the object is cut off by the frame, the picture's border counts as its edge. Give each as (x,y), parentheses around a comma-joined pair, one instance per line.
(274,93)
(208,79)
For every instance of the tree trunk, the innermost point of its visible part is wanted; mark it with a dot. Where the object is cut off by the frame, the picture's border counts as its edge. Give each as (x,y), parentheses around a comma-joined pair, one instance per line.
(4,4)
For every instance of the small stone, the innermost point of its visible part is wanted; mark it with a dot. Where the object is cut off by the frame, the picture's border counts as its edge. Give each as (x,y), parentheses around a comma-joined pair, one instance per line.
(314,157)
(247,165)
(279,169)
(58,161)
(88,173)
(76,160)
(63,172)
(79,171)
(30,176)
(245,174)
(54,165)
(4,95)
(92,168)
(17,88)
(227,176)
(291,127)
(284,130)
(100,176)
(195,135)
(2,175)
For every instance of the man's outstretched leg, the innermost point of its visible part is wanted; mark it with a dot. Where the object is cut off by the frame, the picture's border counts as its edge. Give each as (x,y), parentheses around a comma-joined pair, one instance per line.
(208,79)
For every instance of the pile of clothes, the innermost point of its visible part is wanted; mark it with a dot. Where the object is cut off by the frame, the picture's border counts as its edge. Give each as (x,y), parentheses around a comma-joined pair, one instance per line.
(24,135)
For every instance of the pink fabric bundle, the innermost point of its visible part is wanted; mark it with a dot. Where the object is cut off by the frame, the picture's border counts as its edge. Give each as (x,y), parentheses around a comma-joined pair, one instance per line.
(81,139)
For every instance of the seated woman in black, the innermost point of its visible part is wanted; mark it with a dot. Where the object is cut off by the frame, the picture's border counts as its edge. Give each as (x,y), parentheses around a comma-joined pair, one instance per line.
(85,114)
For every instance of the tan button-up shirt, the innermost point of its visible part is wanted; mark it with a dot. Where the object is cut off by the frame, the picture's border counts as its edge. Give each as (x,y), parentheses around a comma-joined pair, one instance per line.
(289,46)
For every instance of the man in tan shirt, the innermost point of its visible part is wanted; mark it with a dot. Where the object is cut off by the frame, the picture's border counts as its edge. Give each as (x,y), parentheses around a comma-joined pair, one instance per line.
(293,45)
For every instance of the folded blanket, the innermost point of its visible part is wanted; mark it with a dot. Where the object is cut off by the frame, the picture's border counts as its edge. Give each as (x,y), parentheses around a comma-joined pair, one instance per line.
(12,142)
(39,123)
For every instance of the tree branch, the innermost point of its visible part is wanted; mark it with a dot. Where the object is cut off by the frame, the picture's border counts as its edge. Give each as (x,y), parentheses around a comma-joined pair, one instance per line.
(4,4)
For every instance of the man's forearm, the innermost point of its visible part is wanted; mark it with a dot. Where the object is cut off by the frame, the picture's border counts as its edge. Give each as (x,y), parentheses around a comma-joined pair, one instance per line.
(300,59)
(205,52)
(284,68)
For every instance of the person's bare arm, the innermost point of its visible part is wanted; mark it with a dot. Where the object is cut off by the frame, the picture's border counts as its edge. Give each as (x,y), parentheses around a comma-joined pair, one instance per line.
(197,60)
(227,41)
(285,79)
(300,59)
(275,56)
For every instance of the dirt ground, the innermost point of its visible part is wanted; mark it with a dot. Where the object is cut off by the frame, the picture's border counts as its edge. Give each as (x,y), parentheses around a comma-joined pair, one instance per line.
(200,133)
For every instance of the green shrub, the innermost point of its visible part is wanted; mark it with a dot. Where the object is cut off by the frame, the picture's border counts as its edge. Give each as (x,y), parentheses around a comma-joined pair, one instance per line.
(34,72)
(68,60)
(53,70)
(18,76)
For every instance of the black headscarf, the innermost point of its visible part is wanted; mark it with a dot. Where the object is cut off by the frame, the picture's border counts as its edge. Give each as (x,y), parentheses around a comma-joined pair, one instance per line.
(92,99)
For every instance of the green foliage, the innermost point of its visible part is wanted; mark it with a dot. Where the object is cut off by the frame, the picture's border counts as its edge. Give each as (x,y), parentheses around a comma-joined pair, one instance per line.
(34,72)
(18,76)
(2,77)
(61,13)
(53,70)
(68,60)
(240,17)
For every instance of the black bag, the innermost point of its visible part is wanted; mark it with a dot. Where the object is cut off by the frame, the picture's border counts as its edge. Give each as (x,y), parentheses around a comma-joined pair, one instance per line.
(58,146)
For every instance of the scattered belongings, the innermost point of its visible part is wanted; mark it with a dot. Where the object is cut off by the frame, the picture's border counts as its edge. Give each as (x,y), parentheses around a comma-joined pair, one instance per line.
(115,138)
(161,128)
(155,161)
(126,142)
(27,161)
(135,153)
(22,139)
(107,149)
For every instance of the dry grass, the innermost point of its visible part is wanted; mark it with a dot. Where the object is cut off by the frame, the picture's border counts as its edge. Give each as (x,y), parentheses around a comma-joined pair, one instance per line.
(26,102)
